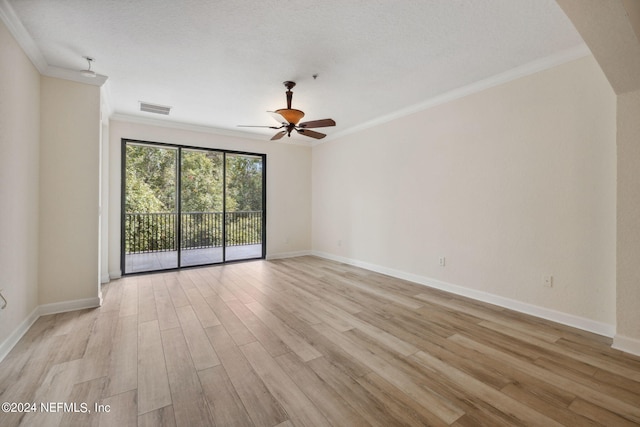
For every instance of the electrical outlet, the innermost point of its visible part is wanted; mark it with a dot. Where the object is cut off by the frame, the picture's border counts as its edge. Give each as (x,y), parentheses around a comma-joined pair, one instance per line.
(548,281)
(442,261)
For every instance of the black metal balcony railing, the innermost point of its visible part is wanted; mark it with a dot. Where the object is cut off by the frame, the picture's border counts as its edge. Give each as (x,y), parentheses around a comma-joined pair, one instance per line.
(156,232)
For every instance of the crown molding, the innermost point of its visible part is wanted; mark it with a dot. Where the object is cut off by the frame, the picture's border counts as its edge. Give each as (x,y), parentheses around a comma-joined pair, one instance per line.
(22,36)
(548,62)
(24,39)
(28,45)
(130,118)
(496,80)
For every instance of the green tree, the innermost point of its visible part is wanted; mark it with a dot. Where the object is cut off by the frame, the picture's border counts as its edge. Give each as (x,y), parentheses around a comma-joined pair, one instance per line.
(201,181)
(244,183)
(153,171)
(149,192)
(151,195)
(140,197)
(244,195)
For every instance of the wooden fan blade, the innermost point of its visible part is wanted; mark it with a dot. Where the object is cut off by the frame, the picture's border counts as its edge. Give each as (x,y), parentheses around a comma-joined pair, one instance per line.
(311,133)
(318,123)
(270,127)
(279,135)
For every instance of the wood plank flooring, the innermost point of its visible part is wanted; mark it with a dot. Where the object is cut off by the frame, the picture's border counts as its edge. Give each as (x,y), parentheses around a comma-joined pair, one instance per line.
(304,342)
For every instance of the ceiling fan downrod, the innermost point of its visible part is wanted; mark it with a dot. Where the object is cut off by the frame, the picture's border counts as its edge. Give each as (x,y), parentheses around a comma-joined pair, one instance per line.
(289,85)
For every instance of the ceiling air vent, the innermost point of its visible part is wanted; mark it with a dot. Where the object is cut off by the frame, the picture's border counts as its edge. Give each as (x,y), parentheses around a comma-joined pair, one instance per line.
(153,108)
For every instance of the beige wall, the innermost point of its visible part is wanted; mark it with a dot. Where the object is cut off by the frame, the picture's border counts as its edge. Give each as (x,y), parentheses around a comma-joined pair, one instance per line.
(288,183)
(69,192)
(509,184)
(611,29)
(628,325)
(19,161)
(104,193)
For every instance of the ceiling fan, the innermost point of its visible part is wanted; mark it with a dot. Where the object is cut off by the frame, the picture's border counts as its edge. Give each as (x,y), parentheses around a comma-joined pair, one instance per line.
(289,118)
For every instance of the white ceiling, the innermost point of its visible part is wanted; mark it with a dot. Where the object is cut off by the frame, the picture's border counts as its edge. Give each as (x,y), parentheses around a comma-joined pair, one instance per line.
(222,63)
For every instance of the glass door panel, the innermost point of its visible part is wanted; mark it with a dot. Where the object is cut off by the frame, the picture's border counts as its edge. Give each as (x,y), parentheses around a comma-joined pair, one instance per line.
(201,197)
(189,206)
(244,210)
(150,208)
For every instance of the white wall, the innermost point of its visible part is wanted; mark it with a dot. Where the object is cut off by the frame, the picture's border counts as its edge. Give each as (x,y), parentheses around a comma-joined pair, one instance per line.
(288,183)
(509,184)
(19,161)
(69,192)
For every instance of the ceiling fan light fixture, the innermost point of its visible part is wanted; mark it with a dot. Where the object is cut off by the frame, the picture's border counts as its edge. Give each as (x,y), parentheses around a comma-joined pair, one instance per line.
(291,115)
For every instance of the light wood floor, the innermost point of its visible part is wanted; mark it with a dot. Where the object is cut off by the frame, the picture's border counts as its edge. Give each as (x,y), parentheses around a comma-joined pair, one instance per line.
(305,341)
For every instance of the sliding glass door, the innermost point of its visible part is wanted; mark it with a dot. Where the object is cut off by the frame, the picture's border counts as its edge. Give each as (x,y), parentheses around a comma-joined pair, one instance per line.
(186,206)
(150,208)
(244,206)
(202,207)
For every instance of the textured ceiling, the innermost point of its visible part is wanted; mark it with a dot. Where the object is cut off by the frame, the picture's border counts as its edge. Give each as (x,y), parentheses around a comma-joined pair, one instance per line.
(222,63)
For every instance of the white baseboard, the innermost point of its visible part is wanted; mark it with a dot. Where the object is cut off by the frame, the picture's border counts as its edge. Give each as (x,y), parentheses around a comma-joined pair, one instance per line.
(626,344)
(43,310)
(12,340)
(113,275)
(282,255)
(64,306)
(522,307)
(105,278)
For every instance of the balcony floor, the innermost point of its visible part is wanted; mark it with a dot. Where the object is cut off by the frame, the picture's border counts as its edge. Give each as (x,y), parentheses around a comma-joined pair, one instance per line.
(136,263)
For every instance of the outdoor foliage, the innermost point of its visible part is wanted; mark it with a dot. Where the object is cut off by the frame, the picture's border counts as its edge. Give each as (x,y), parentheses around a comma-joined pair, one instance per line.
(151,198)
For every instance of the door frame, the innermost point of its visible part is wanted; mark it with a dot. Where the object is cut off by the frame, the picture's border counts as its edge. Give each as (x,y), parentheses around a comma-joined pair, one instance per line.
(179,147)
